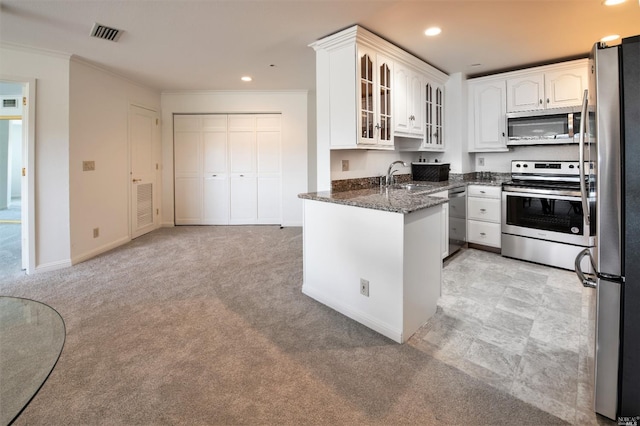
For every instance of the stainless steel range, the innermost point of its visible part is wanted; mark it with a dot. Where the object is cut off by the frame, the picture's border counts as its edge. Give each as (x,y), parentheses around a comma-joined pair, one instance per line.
(542,213)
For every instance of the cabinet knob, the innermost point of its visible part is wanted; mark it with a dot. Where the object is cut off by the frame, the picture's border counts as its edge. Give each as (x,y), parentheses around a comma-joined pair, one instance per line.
(241,175)
(540,101)
(483,210)
(214,175)
(547,100)
(136,180)
(503,134)
(483,234)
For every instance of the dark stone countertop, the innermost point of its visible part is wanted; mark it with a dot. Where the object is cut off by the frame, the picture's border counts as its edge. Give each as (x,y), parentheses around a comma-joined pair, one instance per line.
(398,198)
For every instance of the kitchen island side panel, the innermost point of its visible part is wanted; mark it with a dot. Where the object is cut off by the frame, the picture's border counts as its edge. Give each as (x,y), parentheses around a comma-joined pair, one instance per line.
(344,244)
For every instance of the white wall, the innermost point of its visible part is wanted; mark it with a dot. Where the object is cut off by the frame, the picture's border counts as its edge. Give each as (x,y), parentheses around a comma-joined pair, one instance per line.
(292,105)
(51,71)
(99,108)
(455,121)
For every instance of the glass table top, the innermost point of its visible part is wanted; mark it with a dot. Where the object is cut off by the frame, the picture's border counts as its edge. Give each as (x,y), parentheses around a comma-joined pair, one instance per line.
(32,335)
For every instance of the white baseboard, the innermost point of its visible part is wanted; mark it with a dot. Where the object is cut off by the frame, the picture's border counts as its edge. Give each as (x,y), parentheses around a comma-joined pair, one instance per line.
(52,266)
(362,318)
(99,250)
(167,225)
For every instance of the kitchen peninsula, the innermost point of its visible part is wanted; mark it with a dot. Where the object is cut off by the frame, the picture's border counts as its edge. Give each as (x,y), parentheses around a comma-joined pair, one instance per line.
(374,255)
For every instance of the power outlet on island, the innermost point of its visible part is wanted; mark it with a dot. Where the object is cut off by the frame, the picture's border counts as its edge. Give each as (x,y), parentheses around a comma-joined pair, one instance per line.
(364,287)
(345,165)
(480,161)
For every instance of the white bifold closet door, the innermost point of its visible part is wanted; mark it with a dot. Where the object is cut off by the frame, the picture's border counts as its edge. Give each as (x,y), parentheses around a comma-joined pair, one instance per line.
(227,169)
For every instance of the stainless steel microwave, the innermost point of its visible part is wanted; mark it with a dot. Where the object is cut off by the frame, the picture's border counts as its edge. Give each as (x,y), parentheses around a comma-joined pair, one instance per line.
(544,127)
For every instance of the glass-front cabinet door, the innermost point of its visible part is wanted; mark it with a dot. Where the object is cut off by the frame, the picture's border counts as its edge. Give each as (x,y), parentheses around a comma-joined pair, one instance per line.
(375,109)
(434,117)
(385,136)
(367,110)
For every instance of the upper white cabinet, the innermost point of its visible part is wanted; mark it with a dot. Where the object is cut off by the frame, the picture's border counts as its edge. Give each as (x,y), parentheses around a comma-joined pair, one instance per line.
(369,90)
(552,86)
(487,103)
(491,98)
(409,102)
(434,117)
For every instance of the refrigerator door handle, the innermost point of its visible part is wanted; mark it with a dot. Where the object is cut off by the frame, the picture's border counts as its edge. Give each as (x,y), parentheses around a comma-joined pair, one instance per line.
(587,280)
(583,184)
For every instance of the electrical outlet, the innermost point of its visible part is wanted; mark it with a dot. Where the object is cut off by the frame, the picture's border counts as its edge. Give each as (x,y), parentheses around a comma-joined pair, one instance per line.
(480,161)
(345,165)
(96,232)
(88,166)
(364,287)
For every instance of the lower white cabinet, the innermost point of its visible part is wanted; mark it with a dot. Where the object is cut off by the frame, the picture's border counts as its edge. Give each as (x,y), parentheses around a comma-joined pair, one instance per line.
(227,169)
(484,215)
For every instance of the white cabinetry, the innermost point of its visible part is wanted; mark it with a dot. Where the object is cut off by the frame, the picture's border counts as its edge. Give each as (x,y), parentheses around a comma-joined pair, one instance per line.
(548,87)
(483,215)
(487,103)
(227,169)
(369,90)
(434,117)
(409,102)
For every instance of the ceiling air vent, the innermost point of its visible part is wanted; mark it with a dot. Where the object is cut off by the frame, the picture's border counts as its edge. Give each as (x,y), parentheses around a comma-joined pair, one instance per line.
(105,33)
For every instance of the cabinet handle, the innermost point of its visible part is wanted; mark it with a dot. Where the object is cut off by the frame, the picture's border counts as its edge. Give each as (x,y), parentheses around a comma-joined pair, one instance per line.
(377,127)
(241,175)
(214,175)
(503,134)
(483,210)
(547,100)
(136,180)
(482,192)
(540,101)
(483,234)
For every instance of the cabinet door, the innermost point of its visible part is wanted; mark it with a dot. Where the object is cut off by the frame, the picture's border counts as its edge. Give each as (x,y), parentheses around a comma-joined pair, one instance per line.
(384,112)
(488,114)
(525,93)
(565,88)
(243,204)
(416,101)
(188,200)
(268,194)
(215,200)
(367,132)
(434,117)
(402,90)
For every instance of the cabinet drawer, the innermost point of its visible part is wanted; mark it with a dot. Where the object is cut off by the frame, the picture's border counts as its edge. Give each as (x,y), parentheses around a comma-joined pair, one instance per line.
(484,233)
(485,209)
(484,191)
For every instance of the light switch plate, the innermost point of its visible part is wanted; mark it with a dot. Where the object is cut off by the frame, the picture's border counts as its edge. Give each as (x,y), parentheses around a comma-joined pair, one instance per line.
(88,166)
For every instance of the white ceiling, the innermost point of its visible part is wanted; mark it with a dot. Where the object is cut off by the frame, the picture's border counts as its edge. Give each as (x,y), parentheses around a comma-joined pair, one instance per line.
(210,44)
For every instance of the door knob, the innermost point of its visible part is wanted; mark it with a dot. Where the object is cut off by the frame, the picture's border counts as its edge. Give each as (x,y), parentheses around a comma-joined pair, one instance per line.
(137,180)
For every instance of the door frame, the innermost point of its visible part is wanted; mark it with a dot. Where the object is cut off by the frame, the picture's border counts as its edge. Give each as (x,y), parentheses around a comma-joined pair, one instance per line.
(28,221)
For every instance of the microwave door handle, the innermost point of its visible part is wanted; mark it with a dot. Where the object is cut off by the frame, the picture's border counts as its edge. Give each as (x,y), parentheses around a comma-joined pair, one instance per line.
(587,280)
(583,186)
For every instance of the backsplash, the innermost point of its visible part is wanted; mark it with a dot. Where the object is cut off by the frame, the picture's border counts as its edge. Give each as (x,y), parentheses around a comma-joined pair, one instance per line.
(374,181)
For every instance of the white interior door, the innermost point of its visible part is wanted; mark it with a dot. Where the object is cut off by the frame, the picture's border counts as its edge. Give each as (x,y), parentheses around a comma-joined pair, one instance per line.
(143,133)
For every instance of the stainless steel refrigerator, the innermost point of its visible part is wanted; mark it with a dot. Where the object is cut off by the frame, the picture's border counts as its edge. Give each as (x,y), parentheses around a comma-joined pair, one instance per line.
(611,138)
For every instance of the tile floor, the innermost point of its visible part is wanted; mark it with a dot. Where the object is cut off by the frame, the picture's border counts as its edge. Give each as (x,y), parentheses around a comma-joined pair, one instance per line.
(525,328)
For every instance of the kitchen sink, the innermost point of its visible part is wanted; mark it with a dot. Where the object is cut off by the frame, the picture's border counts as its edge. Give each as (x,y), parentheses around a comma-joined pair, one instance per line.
(416,188)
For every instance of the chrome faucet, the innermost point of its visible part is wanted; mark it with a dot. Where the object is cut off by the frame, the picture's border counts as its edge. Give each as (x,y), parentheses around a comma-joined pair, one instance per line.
(390,174)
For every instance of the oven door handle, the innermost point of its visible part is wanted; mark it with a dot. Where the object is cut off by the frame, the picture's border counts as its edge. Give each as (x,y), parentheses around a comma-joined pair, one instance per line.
(587,280)
(583,184)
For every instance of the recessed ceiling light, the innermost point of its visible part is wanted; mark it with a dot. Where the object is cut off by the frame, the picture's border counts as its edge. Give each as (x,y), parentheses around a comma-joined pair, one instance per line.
(609,38)
(612,2)
(433,31)
(246,78)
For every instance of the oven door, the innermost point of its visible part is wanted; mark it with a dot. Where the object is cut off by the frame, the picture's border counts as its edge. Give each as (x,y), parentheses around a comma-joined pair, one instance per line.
(545,216)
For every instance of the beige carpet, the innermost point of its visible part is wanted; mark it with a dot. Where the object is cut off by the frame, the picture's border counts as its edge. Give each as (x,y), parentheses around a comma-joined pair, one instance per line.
(208,325)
